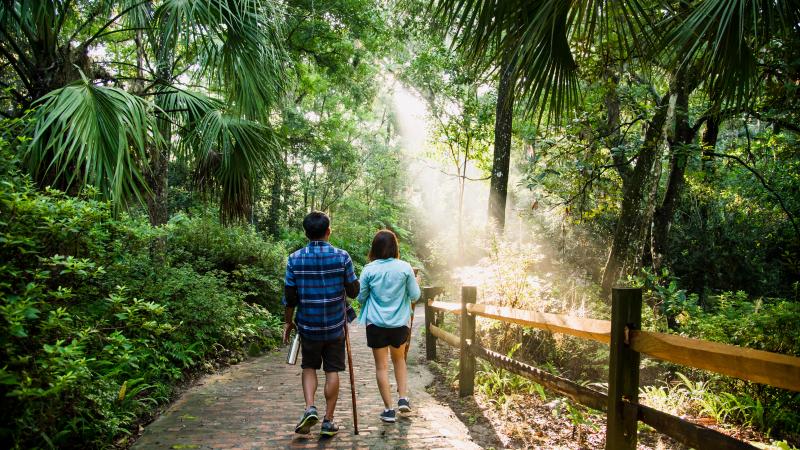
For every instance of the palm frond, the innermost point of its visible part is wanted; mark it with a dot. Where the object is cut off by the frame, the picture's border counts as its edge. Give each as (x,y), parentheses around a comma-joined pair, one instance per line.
(534,37)
(239,45)
(726,36)
(139,14)
(93,135)
(185,107)
(229,154)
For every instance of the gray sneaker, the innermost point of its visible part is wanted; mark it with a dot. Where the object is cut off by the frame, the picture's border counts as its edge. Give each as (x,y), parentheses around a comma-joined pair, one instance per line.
(389,416)
(309,419)
(403,405)
(328,428)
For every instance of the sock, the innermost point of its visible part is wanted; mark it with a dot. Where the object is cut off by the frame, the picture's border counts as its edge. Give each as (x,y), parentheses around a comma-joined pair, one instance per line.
(403,398)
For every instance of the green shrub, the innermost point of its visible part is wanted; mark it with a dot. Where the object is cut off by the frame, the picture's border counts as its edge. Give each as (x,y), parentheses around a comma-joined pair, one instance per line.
(250,264)
(96,327)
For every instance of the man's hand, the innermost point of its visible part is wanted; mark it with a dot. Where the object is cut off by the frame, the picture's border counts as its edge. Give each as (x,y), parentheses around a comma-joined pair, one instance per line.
(287,331)
(288,320)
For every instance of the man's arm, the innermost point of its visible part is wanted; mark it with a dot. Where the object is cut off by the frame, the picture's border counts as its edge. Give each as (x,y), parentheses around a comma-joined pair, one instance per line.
(290,296)
(290,301)
(288,318)
(351,289)
(351,285)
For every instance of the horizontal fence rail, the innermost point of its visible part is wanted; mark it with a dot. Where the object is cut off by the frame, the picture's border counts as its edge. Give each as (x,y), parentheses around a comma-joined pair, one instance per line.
(454,308)
(596,330)
(623,411)
(685,432)
(576,392)
(448,337)
(748,364)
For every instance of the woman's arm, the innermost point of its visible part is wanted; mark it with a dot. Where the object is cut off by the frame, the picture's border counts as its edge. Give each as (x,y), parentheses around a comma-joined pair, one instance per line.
(412,287)
(363,292)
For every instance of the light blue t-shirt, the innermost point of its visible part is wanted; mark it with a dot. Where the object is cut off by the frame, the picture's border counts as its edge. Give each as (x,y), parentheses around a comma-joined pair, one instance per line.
(388,287)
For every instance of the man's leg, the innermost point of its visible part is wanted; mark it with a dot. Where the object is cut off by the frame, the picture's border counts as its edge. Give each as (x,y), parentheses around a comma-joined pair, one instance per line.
(331,393)
(312,361)
(310,386)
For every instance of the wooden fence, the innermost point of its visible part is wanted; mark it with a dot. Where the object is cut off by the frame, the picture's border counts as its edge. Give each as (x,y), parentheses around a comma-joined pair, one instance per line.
(628,342)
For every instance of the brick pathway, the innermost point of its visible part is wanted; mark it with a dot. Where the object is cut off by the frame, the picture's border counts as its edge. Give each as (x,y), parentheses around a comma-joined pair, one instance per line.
(255,404)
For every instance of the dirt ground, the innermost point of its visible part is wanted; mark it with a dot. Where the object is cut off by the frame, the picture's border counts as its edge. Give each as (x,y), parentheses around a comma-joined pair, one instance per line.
(527,421)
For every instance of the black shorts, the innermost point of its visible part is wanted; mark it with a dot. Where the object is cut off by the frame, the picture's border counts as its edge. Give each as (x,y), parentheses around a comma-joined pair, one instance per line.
(379,337)
(326,354)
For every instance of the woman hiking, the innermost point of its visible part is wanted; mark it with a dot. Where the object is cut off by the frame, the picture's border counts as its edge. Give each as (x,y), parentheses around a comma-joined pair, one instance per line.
(388,286)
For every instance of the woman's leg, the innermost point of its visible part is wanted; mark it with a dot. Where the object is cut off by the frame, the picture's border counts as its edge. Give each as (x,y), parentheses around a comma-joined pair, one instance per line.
(381,356)
(400,370)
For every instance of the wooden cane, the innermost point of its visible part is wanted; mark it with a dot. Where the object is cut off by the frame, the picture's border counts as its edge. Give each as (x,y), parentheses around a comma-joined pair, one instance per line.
(410,329)
(350,367)
(411,325)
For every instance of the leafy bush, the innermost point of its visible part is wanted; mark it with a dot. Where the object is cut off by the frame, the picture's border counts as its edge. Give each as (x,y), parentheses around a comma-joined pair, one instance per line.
(96,325)
(734,318)
(250,264)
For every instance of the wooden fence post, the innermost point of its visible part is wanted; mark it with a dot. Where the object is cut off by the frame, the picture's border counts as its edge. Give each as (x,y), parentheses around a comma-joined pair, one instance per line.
(466,374)
(430,318)
(623,369)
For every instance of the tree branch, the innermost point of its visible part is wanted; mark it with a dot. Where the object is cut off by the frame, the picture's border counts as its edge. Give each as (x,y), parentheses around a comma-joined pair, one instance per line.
(650,88)
(766,186)
(102,29)
(15,64)
(20,55)
(62,18)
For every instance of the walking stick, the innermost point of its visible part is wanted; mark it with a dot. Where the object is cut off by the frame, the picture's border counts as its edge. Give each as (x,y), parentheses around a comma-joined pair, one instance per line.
(411,325)
(350,367)
(410,329)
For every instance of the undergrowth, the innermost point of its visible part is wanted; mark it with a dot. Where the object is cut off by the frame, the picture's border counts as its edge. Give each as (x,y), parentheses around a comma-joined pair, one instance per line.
(508,277)
(103,316)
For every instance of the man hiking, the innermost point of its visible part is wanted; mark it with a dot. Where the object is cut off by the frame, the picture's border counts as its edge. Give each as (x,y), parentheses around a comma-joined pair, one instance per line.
(319,277)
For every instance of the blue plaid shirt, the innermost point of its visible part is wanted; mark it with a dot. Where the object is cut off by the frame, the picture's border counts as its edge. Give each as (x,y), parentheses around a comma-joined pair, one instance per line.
(319,271)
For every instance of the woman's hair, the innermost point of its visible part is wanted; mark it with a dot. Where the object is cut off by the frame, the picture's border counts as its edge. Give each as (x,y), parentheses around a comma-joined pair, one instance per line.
(384,245)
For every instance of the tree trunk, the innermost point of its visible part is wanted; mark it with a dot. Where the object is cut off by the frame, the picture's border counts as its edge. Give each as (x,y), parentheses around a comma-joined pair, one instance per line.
(157,177)
(626,245)
(157,207)
(709,142)
(679,149)
(274,211)
(498,187)
(461,187)
(612,132)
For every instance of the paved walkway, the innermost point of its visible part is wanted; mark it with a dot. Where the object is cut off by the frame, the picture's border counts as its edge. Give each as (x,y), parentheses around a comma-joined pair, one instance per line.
(255,404)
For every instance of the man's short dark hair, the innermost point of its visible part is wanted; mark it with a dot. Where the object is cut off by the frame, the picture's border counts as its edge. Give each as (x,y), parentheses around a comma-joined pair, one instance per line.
(316,224)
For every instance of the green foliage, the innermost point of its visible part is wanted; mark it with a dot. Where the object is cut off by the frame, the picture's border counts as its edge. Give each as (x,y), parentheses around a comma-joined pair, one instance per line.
(94,331)
(704,399)
(765,324)
(768,324)
(253,266)
(102,130)
(497,383)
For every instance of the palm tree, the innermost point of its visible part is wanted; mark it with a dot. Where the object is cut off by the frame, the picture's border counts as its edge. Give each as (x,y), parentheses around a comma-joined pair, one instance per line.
(540,39)
(205,77)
